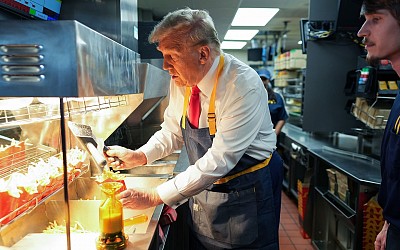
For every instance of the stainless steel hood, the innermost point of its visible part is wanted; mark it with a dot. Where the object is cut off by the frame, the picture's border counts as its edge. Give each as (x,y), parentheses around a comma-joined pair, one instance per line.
(68,59)
(102,81)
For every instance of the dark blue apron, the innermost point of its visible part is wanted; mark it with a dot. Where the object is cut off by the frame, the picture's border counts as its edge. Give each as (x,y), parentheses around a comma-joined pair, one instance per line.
(240,214)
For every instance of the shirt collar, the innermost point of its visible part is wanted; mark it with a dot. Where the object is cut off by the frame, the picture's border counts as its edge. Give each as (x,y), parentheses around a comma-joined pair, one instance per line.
(207,83)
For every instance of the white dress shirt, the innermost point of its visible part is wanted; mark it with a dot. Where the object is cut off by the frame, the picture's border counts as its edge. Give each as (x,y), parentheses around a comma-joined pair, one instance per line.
(243,126)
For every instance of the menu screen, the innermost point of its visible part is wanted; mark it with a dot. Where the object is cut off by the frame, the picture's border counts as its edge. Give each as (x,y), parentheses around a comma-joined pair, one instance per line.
(38,9)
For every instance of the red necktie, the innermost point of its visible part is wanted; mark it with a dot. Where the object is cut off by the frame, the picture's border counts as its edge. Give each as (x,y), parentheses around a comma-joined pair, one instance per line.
(194,107)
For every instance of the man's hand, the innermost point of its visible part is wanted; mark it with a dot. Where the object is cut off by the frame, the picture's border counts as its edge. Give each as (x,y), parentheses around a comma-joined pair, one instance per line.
(380,241)
(139,198)
(129,158)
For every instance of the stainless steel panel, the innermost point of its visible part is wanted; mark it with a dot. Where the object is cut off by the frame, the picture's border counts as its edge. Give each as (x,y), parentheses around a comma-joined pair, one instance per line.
(68,59)
(152,84)
(74,61)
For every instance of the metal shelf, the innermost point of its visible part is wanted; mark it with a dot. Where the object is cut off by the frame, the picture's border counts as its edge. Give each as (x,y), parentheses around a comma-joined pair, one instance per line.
(295,114)
(46,109)
(293,96)
(19,161)
(295,80)
(24,161)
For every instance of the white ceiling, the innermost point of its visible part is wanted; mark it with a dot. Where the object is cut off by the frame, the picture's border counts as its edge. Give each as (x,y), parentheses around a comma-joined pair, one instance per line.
(223,11)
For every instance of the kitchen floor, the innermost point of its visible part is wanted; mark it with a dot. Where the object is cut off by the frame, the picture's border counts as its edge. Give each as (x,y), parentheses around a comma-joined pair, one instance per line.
(290,237)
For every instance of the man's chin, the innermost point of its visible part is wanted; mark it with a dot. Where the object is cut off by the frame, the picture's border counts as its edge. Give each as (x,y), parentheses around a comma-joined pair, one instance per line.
(179,83)
(373,61)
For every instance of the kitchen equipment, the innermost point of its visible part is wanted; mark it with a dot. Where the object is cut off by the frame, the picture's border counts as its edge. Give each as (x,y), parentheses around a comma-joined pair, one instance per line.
(98,89)
(112,234)
(85,135)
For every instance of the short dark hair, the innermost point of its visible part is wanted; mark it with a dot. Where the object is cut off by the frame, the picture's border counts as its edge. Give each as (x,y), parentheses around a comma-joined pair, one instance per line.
(372,6)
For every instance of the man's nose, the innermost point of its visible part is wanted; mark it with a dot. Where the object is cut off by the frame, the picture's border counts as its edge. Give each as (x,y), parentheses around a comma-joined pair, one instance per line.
(166,65)
(362,32)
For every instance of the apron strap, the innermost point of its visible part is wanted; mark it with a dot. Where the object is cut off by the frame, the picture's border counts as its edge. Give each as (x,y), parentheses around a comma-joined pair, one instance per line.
(246,171)
(211,118)
(185,105)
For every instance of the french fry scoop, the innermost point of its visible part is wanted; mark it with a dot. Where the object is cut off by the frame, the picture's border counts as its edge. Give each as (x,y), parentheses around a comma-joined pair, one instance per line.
(85,135)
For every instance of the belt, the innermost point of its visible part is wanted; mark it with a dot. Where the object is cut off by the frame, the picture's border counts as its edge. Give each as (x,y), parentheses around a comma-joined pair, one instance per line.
(243,172)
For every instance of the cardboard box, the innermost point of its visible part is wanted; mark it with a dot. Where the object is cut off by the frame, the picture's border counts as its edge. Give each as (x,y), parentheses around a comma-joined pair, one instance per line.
(372,223)
(303,190)
(297,63)
(338,184)
(372,116)
(297,53)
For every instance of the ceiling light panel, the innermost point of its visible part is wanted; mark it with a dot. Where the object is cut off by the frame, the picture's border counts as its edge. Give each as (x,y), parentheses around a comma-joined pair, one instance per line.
(253,16)
(243,35)
(233,45)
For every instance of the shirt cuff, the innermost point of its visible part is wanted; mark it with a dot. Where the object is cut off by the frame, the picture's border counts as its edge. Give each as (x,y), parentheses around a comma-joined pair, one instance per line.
(147,151)
(169,194)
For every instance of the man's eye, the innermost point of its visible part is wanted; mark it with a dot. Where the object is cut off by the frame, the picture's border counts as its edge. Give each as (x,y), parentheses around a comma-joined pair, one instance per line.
(376,19)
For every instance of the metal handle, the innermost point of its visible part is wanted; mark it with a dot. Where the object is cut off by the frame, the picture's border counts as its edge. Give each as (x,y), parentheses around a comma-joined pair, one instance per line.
(141,218)
(105,149)
(97,156)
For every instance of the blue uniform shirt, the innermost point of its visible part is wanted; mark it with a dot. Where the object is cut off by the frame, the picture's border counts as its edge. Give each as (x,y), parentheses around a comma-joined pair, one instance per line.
(277,109)
(389,193)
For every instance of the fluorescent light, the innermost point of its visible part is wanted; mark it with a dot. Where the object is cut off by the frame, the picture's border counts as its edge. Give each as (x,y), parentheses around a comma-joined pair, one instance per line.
(253,16)
(244,35)
(233,44)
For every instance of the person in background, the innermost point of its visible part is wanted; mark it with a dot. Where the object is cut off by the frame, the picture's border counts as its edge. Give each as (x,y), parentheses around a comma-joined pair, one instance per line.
(276,103)
(234,181)
(381,36)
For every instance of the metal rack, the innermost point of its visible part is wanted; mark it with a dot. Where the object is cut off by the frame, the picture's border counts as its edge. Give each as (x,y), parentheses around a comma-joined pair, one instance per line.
(44,109)
(31,113)
(88,104)
(292,92)
(20,162)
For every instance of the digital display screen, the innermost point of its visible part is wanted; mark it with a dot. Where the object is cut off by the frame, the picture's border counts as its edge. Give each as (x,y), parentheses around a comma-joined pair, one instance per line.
(39,9)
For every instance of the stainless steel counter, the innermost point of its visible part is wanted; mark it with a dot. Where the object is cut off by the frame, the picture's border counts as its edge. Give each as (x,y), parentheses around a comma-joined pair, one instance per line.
(359,167)
(364,170)
(306,139)
(86,212)
(87,241)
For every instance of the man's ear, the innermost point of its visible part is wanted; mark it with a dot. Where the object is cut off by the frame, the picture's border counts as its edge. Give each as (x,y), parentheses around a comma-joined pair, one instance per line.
(204,53)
